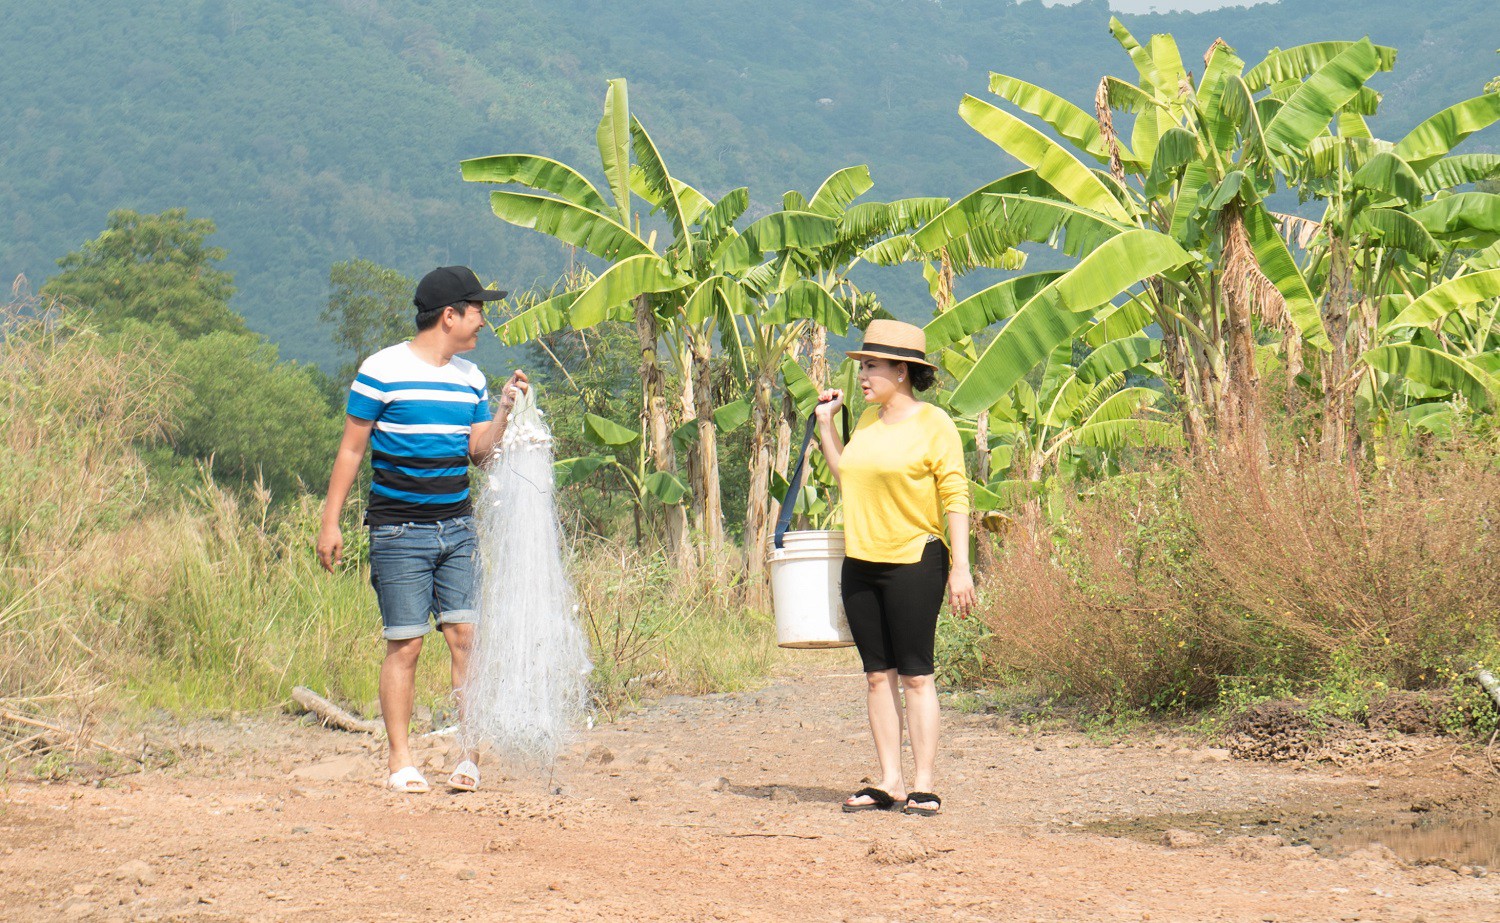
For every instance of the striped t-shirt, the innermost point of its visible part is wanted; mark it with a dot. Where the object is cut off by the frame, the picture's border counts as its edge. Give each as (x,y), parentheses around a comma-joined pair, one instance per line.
(419,446)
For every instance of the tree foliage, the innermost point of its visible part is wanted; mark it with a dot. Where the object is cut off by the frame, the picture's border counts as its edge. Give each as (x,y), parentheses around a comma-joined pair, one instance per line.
(156,269)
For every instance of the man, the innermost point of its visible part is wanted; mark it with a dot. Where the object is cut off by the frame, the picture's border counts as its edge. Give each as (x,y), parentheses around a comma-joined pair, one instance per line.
(425,414)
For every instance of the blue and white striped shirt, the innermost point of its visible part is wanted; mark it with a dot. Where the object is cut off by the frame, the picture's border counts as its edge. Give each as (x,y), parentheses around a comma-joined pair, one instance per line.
(419,446)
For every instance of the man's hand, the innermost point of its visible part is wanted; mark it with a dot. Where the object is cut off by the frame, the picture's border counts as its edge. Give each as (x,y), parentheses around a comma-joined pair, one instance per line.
(330,547)
(513,388)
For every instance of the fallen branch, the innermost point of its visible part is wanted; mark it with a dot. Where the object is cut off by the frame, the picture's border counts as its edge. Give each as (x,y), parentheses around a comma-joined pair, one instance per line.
(330,714)
(1488,681)
(55,737)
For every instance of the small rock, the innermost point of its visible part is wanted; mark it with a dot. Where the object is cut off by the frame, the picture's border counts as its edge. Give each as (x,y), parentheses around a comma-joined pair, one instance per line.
(1212,755)
(78,909)
(902,849)
(1373,783)
(502,844)
(1182,778)
(1182,839)
(1378,853)
(338,769)
(136,871)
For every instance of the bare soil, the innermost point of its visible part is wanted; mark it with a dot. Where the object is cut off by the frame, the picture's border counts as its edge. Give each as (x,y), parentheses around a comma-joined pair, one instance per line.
(727,808)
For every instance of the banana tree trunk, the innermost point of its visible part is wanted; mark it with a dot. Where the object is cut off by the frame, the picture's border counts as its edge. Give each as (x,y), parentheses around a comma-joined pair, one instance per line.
(757,522)
(654,420)
(786,422)
(1180,367)
(1031,513)
(710,507)
(1338,395)
(687,409)
(984,546)
(818,357)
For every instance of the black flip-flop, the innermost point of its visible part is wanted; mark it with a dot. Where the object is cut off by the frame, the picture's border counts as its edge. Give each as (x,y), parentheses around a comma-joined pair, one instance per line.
(879,801)
(922,798)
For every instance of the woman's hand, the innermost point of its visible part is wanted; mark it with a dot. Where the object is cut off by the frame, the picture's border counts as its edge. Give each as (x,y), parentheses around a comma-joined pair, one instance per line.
(829,403)
(961,596)
(513,388)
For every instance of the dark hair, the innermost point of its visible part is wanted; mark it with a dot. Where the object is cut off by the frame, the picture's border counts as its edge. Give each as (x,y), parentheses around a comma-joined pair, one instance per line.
(922,376)
(426,320)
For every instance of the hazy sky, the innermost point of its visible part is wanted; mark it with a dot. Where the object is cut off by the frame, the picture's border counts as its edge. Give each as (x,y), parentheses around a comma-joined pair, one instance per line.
(1166,6)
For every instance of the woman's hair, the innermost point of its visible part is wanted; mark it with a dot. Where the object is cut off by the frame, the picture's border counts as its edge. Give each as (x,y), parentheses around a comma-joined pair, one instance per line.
(922,376)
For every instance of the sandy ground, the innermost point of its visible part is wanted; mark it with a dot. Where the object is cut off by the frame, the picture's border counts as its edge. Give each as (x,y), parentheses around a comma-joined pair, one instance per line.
(727,808)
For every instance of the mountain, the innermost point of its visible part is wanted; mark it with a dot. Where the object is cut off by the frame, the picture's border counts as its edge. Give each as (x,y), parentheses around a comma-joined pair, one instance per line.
(314,131)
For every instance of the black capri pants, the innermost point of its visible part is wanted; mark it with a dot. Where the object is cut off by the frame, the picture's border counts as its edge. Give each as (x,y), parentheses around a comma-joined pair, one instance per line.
(893,610)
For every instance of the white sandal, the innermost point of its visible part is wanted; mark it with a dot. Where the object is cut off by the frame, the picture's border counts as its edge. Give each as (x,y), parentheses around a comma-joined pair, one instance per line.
(408,781)
(465,778)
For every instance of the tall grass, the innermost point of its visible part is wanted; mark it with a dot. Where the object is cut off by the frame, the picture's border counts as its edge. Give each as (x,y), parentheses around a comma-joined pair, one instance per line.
(122,592)
(1187,586)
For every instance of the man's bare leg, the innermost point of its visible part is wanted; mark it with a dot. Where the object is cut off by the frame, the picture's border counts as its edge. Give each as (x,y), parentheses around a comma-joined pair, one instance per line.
(398,682)
(460,638)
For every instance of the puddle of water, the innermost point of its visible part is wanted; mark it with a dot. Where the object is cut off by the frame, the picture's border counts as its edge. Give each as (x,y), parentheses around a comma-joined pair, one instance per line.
(1448,839)
(1428,840)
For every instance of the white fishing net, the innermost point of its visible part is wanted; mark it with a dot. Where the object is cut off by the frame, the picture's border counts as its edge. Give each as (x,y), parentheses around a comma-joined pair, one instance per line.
(527,687)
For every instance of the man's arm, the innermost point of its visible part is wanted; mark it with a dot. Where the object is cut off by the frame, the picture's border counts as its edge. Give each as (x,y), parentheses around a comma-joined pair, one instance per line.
(483,437)
(345,469)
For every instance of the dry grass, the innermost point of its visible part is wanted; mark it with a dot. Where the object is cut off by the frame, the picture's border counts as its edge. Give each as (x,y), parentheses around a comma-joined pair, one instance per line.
(1171,588)
(123,592)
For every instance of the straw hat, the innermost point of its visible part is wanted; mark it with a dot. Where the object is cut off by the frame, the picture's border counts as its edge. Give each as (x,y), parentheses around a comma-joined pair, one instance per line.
(893,340)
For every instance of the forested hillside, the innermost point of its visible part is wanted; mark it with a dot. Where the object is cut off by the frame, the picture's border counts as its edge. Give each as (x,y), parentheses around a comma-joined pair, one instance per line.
(313,132)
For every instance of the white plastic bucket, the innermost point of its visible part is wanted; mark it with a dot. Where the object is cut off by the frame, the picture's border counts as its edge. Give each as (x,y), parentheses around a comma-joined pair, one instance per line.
(805,576)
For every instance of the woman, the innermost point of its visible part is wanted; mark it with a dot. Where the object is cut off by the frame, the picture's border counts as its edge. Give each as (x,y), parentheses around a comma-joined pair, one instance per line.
(905,492)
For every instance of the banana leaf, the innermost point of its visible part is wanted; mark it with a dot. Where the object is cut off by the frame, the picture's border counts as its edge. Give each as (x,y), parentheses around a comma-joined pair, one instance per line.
(1389,175)
(619,284)
(1062,308)
(1441,133)
(568,222)
(1460,170)
(983,309)
(839,189)
(1275,260)
(613,138)
(1435,369)
(604,431)
(537,172)
(1442,300)
(1050,160)
(1468,217)
(1297,63)
(1309,110)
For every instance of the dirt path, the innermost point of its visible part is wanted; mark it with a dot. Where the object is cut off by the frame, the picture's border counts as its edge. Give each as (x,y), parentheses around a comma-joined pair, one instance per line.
(726,808)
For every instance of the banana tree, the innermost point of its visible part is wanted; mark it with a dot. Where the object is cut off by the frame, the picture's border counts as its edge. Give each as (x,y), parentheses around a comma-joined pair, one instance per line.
(807,287)
(1391,228)
(676,294)
(566,205)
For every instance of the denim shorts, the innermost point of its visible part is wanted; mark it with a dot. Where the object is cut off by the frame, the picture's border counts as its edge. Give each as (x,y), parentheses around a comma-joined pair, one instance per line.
(422,569)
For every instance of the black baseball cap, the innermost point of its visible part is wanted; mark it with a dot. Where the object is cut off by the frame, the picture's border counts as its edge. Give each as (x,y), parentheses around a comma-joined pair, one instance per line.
(449,285)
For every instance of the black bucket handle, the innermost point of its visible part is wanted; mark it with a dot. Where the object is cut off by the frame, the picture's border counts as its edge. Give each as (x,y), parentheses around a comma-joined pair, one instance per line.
(794,485)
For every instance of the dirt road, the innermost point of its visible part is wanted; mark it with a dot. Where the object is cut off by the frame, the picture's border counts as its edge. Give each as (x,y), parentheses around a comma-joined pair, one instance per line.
(726,808)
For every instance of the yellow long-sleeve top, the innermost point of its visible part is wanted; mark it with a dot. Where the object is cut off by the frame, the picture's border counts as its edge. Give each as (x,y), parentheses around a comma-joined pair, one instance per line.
(899,480)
